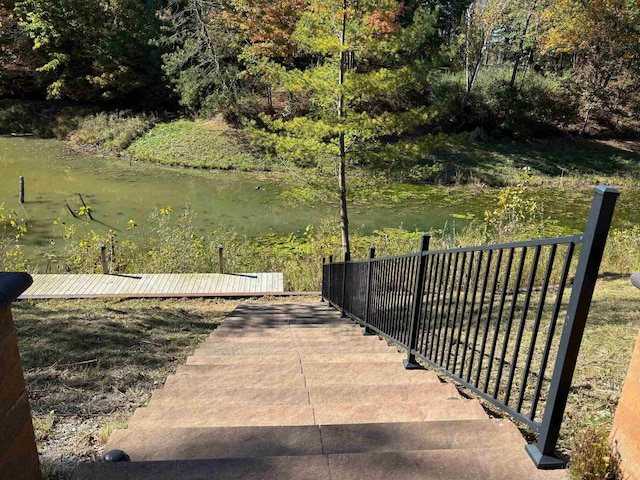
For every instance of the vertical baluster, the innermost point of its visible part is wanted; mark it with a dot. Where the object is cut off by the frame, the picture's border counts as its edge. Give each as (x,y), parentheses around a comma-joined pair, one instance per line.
(476,281)
(418,294)
(425,305)
(435,333)
(507,333)
(485,333)
(448,319)
(367,300)
(523,320)
(455,311)
(485,280)
(496,330)
(435,345)
(552,328)
(595,236)
(462,315)
(536,325)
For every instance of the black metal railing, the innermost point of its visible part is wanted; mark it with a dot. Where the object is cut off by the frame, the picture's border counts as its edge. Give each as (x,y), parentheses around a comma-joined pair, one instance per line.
(495,318)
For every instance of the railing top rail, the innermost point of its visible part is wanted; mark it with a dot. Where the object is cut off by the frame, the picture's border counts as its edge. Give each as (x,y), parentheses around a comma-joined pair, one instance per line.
(577,238)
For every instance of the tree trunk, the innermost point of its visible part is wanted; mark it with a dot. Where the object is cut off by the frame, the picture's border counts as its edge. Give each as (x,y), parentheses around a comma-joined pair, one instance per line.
(344,218)
(516,63)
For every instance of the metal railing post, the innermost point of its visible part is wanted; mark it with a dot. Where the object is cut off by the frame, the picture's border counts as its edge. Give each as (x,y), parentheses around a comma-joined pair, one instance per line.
(543,453)
(418,293)
(372,255)
(329,288)
(347,258)
(322,277)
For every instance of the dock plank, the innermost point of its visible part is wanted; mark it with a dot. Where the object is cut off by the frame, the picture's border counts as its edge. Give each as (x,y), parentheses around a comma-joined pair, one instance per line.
(165,285)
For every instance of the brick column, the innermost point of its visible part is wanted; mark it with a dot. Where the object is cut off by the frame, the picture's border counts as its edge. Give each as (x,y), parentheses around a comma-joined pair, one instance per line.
(18,454)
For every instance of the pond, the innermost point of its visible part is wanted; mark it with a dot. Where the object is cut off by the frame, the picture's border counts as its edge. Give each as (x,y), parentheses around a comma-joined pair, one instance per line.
(252,204)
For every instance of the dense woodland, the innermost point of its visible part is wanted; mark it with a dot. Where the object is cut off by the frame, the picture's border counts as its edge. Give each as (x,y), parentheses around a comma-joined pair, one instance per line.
(388,69)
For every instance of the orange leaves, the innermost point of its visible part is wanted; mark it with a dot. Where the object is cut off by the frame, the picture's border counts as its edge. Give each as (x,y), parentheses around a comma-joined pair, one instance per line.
(268,25)
(385,22)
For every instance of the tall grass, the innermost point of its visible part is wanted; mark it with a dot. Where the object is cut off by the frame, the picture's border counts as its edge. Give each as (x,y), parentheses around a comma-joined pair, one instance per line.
(113,131)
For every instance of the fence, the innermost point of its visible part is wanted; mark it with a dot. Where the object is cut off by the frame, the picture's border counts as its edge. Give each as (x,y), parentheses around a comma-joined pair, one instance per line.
(494,318)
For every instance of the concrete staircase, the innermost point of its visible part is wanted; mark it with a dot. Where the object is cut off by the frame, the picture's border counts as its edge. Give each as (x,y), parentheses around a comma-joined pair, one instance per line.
(293,391)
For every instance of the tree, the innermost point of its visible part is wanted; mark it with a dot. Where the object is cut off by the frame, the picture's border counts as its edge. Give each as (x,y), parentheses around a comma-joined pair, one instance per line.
(202,52)
(266,30)
(602,38)
(366,70)
(18,64)
(482,21)
(93,49)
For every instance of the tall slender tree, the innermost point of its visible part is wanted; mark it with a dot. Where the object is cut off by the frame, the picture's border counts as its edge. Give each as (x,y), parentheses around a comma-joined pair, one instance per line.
(366,67)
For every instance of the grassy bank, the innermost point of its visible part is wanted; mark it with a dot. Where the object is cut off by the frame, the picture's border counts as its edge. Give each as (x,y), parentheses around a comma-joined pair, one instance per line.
(209,144)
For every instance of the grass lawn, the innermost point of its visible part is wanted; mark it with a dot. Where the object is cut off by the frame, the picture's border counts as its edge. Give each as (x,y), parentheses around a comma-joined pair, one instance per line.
(90,363)
(567,161)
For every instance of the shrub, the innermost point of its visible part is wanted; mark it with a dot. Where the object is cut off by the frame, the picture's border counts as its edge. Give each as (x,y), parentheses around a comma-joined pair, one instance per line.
(594,458)
(12,229)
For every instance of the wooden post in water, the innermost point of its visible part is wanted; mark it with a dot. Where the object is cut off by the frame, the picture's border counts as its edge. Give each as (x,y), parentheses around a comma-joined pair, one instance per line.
(103,259)
(21,189)
(220,263)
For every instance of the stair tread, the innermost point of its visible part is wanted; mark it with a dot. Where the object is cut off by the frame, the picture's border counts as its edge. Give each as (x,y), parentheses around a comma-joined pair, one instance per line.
(454,464)
(179,443)
(337,393)
(172,415)
(311,467)
(284,358)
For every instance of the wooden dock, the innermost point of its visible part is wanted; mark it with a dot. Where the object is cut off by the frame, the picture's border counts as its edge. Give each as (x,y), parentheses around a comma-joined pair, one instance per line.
(162,285)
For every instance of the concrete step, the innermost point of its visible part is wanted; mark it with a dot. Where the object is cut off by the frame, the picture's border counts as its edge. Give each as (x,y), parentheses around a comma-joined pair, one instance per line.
(456,464)
(268,380)
(250,442)
(292,339)
(214,395)
(195,396)
(289,332)
(216,370)
(283,359)
(268,342)
(341,393)
(271,375)
(160,443)
(453,409)
(172,415)
(239,349)
(311,467)
(502,463)
(240,360)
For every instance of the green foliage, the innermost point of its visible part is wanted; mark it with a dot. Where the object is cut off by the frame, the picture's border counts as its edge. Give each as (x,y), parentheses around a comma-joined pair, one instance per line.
(515,209)
(12,229)
(200,56)
(111,131)
(622,254)
(94,50)
(594,458)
